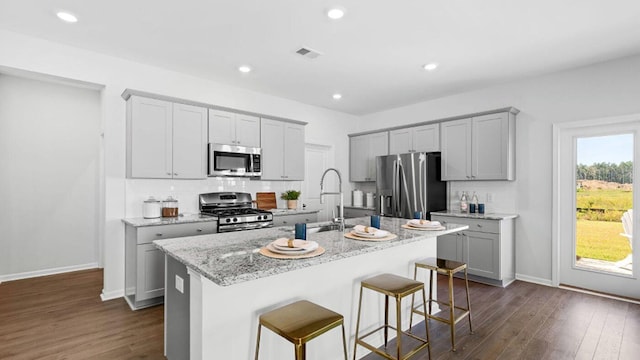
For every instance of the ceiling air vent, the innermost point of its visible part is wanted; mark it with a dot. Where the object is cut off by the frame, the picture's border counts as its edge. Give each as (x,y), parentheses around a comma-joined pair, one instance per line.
(308,53)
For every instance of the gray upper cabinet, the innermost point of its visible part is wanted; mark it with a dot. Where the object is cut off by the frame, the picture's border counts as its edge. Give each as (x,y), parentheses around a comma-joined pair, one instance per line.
(165,140)
(363,150)
(424,138)
(282,150)
(230,128)
(479,148)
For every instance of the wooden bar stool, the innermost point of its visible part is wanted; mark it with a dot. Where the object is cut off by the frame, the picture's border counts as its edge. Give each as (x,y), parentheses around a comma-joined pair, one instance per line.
(397,287)
(446,267)
(299,322)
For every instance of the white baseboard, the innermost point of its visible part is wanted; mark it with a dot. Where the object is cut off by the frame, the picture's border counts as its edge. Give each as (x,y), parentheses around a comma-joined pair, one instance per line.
(111,295)
(535,280)
(45,272)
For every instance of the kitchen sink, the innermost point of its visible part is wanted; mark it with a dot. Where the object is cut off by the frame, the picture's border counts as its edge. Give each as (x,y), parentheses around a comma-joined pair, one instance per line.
(324,228)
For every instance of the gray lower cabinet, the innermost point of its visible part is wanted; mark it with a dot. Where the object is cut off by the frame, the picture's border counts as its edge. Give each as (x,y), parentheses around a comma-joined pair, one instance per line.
(292,219)
(145,264)
(354,212)
(487,247)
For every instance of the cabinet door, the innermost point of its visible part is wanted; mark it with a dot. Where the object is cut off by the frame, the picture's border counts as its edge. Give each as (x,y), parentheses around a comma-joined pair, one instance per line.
(490,147)
(358,154)
(293,151)
(272,141)
(150,276)
(483,254)
(189,142)
(455,138)
(448,247)
(150,138)
(247,130)
(426,138)
(222,128)
(400,141)
(378,146)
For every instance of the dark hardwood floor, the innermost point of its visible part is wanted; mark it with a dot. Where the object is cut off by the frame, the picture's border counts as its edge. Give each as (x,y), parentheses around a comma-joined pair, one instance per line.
(62,317)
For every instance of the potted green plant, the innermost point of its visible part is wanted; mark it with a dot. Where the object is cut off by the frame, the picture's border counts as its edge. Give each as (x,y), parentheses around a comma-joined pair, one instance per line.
(292,198)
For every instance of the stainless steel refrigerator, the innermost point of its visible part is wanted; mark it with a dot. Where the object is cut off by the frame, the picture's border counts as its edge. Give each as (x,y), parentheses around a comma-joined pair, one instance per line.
(407,183)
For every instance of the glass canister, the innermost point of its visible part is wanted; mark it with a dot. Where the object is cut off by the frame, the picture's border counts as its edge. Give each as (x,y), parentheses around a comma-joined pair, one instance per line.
(170,207)
(152,208)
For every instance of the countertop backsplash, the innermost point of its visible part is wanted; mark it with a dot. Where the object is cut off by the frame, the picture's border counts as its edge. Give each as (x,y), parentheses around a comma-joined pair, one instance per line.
(498,196)
(187,191)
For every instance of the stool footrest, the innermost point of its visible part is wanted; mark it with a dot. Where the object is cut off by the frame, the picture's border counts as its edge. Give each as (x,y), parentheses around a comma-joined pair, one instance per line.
(359,341)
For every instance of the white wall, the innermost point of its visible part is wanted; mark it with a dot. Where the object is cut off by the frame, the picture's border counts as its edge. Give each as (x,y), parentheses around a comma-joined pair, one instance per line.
(49,151)
(607,89)
(41,56)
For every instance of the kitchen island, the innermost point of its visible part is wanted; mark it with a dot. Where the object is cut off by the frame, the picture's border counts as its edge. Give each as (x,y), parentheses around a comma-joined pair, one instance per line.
(230,284)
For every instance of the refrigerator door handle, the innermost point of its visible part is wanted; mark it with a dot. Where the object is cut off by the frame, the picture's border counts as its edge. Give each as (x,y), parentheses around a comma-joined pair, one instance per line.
(406,191)
(393,188)
(421,170)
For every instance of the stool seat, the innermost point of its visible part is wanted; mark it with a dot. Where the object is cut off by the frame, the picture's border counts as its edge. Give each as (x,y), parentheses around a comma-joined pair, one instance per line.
(300,322)
(392,285)
(442,266)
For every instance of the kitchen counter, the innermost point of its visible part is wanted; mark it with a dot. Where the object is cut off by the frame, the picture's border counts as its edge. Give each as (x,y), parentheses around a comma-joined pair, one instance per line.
(182,219)
(228,284)
(359,207)
(284,212)
(488,216)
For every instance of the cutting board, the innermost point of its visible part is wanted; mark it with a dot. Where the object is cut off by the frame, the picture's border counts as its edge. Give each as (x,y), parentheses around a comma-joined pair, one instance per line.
(266,200)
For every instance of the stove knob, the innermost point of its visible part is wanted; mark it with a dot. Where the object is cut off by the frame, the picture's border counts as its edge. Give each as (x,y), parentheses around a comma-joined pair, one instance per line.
(235,219)
(228,220)
(259,217)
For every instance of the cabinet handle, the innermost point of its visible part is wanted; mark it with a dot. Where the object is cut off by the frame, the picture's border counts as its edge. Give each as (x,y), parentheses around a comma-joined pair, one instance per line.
(478,225)
(175,174)
(159,234)
(199,230)
(168,173)
(468,177)
(284,222)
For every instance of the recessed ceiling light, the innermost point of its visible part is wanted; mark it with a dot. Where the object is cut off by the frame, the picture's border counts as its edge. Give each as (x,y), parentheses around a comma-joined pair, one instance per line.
(335,13)
(68,17)
(244,69)
(337,96)
(430,66)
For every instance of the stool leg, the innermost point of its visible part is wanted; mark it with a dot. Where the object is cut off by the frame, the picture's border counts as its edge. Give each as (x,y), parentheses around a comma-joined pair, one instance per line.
(344,343)
(415,275)
(301,353)
(386,319)
(426,322)
(430,289)
(355,346)
(399,326)
(258,341)
(466,284)
(451,313)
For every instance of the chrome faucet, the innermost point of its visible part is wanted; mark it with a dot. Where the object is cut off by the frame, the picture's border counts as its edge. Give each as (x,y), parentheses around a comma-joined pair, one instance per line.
(340,218)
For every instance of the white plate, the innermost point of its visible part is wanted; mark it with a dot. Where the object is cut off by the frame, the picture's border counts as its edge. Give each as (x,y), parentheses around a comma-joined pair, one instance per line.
(276,250)
(426,224)
(377,234)
(298,245)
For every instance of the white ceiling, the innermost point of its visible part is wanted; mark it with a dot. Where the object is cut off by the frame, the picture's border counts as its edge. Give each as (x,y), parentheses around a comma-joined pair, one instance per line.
(373,56)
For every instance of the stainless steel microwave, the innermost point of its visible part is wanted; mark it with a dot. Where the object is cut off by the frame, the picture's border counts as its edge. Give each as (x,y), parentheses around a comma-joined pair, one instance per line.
(232,160)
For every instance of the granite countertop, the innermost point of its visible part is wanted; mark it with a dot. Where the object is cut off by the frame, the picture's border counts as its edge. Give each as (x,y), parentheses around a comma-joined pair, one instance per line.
(231,258)
(181,219)
(360,207)
(487,216)
(283,212)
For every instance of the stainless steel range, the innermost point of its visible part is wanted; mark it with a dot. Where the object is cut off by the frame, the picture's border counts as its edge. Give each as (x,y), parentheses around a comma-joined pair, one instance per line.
(234,211)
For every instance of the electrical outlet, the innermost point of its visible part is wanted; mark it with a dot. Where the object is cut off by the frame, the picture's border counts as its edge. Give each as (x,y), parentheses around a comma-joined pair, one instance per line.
(180,284)
(489,197)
